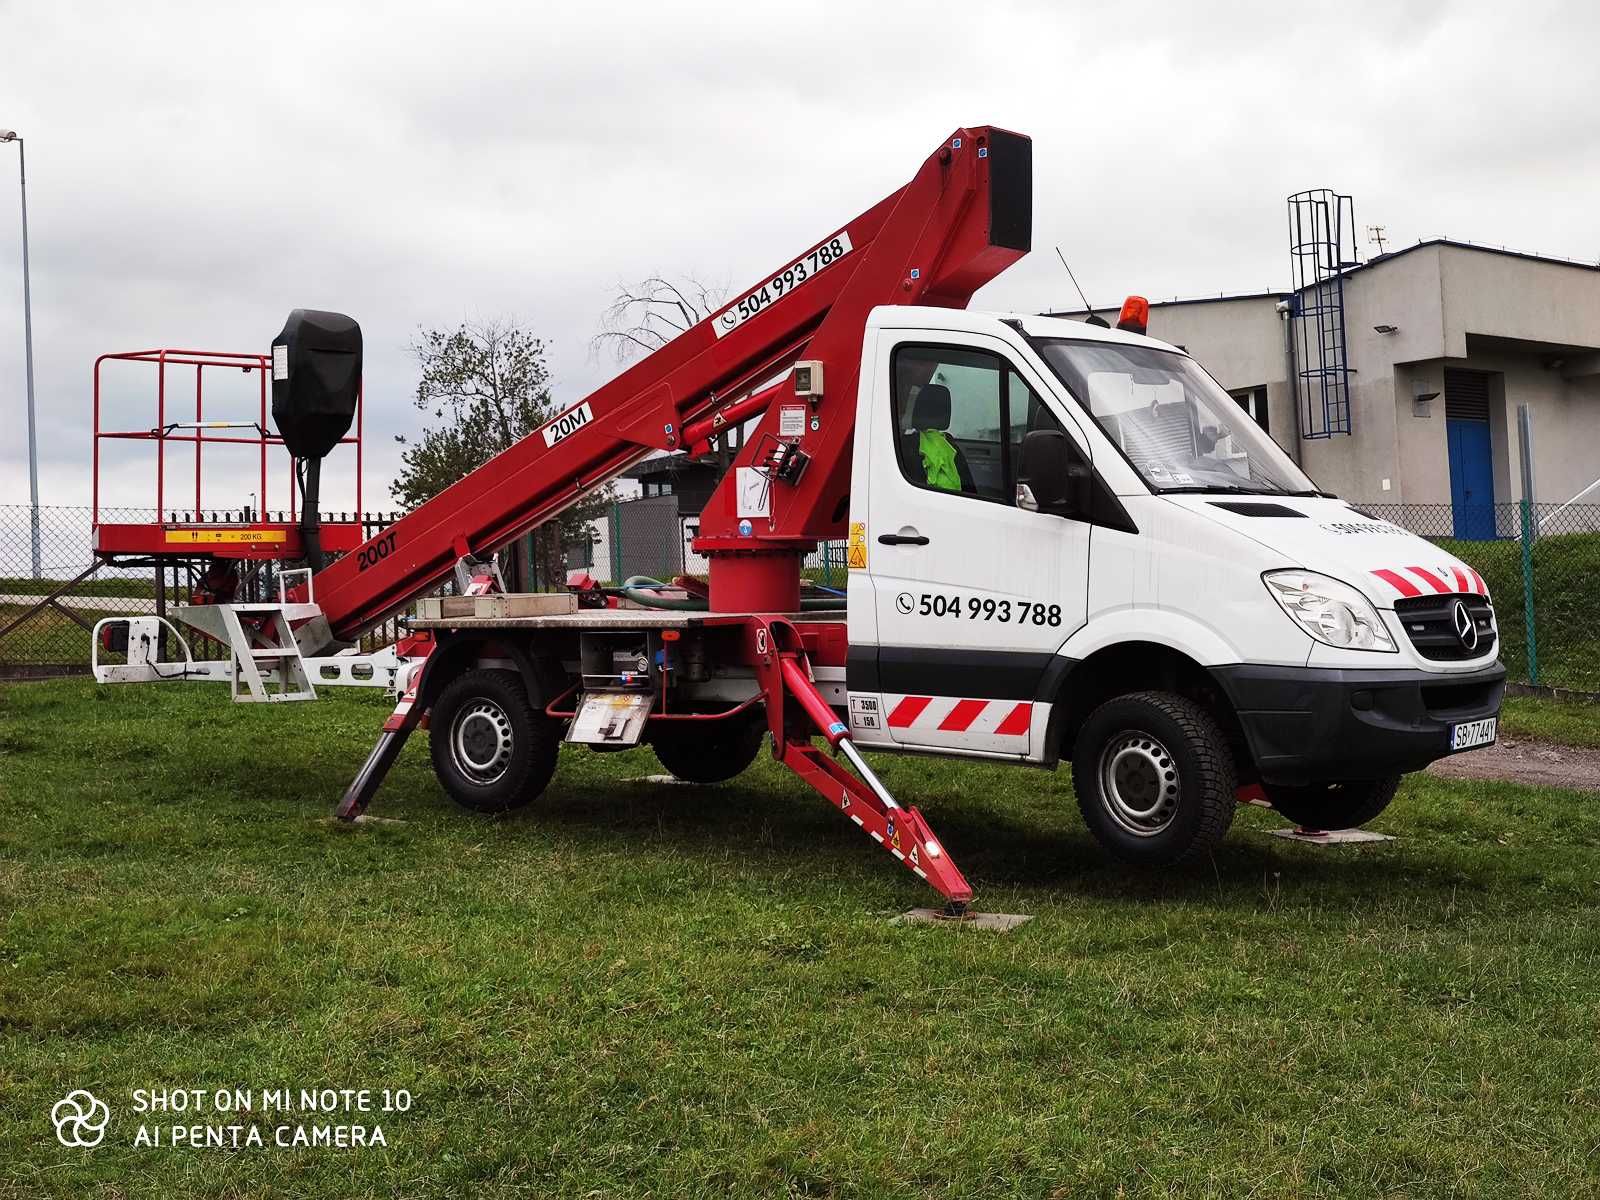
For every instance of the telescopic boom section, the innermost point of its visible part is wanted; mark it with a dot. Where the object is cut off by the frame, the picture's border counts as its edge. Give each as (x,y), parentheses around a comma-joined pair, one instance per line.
(965,216)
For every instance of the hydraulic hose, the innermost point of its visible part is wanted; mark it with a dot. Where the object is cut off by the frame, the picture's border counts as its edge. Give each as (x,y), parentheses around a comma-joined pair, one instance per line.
(641,589)
(310,517)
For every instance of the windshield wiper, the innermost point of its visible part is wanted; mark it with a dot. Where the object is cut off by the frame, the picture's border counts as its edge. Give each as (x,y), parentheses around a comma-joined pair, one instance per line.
(1232,489)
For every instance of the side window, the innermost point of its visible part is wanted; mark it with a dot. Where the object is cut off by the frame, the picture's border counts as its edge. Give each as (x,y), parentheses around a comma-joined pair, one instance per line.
(947,420)
(960,416)
(1025,411)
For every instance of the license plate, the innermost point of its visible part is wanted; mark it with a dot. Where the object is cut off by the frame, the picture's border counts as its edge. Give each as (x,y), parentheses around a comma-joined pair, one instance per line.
(1473,733)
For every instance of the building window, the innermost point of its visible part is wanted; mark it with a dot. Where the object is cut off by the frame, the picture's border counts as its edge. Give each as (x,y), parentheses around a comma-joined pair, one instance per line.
(1254,401)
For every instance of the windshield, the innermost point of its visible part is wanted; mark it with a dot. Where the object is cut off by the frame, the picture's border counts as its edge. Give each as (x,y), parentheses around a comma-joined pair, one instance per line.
(1179,429)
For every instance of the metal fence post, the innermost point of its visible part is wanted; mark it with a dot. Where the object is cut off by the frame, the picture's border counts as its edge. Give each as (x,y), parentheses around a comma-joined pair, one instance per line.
(1529,623)
(1529,533)
(614,520)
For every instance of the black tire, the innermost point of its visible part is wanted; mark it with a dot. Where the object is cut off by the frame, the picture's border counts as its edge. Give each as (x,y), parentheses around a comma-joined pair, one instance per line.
(1346,805)
(1172,772)
(491,750)
(707,751)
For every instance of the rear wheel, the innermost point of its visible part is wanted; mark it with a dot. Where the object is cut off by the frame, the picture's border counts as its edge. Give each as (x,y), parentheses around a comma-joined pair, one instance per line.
(1155,777)
(1344,805)
(491,751)
(707,751)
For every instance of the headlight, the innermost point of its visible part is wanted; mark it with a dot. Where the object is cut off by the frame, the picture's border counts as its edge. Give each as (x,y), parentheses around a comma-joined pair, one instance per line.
(1333,613)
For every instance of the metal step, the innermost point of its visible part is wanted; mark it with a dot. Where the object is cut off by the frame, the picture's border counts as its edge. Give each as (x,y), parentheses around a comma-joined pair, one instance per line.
(251,679)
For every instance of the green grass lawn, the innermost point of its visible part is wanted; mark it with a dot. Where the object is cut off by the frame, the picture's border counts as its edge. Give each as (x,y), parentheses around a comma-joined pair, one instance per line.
(1571,723)
(654,990)
(108,583)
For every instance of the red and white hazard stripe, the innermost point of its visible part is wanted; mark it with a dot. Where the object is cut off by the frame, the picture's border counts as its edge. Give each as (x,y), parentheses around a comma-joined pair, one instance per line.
(1423,581)
(957,715)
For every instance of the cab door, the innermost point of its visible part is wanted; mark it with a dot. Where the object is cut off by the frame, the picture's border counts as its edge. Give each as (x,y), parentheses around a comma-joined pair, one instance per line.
(972,595)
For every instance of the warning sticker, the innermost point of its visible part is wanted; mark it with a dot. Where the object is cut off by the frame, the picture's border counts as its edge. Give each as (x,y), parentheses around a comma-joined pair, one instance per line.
(206,537)
(856,549)
(791,420)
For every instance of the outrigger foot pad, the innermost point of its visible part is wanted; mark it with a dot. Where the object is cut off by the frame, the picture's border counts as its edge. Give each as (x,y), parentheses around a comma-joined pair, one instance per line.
(967,919)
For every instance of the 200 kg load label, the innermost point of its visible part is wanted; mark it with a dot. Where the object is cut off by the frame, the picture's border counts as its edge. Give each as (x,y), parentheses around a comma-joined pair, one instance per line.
(759,299)
(212,537)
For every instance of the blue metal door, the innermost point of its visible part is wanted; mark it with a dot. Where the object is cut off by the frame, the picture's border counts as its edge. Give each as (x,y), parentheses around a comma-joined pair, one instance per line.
(1471,479)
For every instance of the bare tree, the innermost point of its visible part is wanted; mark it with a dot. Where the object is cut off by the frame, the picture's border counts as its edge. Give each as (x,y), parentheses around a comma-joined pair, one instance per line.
(647,315)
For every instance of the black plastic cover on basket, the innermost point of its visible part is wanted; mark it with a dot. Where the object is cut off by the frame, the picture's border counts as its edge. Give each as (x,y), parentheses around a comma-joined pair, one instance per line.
(316,380)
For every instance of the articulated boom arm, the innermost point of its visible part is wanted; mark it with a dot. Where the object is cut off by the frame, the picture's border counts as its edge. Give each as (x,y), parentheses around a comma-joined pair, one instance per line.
(962,219)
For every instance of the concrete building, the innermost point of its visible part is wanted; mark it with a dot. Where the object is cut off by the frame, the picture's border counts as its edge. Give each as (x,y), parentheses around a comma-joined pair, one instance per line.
(1443,341)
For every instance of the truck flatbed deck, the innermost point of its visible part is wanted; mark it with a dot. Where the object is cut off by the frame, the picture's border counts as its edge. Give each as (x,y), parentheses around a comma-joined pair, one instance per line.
(629,616)
(614,618)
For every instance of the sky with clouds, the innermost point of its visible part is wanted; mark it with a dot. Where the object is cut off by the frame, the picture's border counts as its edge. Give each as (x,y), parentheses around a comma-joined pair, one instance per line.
(197,171)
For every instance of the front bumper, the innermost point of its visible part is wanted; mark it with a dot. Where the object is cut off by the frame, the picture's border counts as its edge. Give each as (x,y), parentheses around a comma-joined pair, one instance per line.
(1319,724)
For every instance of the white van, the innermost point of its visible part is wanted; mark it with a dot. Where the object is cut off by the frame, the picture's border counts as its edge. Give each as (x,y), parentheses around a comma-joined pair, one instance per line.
(1073,544)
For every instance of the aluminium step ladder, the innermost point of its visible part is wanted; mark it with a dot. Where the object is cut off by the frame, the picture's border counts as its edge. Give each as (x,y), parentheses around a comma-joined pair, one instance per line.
(267,666)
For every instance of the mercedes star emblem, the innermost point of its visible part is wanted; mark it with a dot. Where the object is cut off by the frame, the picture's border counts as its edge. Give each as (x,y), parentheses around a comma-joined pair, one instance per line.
(1466,630)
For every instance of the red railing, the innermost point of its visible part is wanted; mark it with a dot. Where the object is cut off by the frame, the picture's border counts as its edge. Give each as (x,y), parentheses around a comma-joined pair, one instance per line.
(185,430)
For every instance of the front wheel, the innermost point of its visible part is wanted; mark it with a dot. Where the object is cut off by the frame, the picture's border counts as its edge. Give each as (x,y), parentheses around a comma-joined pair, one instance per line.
(491,751)
(1155,778)
(1346,805)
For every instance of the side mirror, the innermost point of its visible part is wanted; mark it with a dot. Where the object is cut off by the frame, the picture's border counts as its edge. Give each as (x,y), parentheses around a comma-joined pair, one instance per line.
(1053,476)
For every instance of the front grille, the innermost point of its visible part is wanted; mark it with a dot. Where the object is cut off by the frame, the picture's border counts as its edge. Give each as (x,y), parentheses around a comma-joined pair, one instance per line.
(1429,622)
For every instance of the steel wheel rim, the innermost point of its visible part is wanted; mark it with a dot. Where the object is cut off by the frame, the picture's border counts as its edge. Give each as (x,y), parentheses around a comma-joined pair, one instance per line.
(481,741)
(1139,783)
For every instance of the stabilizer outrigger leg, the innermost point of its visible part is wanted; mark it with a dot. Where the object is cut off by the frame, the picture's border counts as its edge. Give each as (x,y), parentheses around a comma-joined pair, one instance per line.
(474,577)
(406,716)
(780,660)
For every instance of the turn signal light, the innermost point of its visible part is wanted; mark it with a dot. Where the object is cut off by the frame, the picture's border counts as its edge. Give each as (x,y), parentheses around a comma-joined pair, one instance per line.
(1135,315)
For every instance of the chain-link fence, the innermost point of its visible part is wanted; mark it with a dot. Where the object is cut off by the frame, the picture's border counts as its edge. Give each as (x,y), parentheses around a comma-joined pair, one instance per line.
(1540,581)
(45,622)
(1540,562)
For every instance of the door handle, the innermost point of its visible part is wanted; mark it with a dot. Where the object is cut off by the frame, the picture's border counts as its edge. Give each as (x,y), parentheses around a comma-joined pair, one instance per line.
(902,539)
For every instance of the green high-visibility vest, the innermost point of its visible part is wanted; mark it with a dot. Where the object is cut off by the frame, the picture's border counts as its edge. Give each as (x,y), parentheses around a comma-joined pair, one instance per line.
(939,460)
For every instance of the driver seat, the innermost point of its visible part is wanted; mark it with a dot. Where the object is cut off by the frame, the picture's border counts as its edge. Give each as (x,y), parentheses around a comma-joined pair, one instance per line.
(931,410)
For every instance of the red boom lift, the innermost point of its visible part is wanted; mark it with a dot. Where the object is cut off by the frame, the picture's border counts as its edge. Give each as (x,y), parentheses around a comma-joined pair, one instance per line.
(962,219)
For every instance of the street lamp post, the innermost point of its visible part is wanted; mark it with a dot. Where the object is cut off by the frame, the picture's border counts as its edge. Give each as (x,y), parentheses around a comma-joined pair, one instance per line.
(11,135)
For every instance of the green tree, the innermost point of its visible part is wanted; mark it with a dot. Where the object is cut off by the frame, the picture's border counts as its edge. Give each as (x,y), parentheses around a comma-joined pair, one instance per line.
(485,386)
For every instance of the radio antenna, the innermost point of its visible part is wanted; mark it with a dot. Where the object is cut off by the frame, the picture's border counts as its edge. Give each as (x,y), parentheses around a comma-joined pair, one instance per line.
(1092,319)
